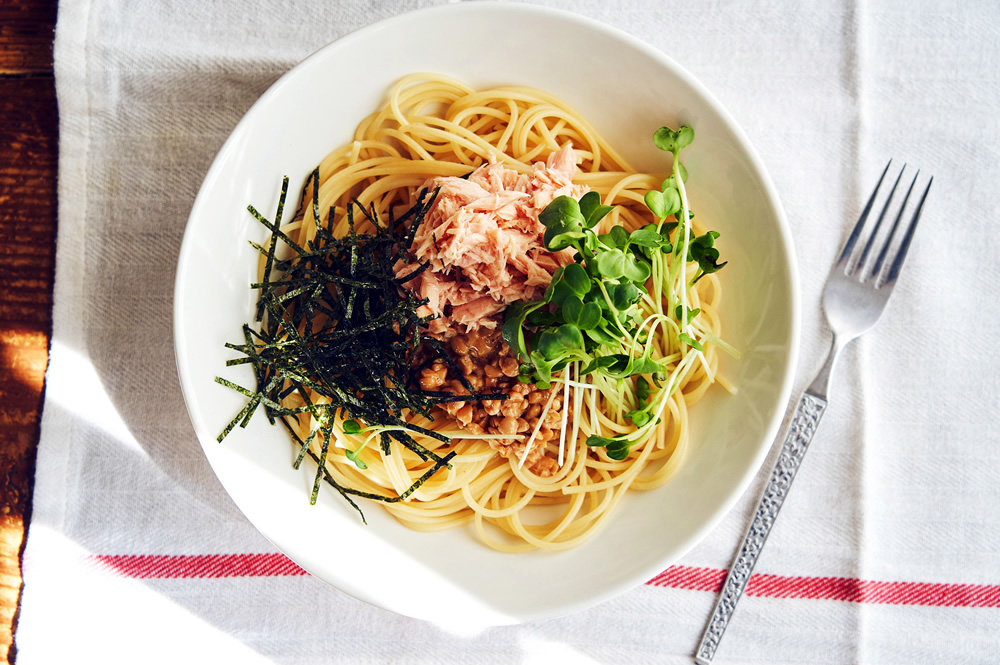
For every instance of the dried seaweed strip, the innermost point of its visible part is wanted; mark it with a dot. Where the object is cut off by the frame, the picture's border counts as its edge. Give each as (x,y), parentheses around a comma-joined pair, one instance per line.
(263,399)
(418,217)
(314,177)
(273,244)
(409,442)
(326,474)
(276,230)
(337,324)
(327,432)
(384,498)
(413,274)
(469,398)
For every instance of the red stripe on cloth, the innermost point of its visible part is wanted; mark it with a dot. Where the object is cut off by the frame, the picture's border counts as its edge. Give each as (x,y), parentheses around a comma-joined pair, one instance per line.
(149,566)
(693,579)
(836,588)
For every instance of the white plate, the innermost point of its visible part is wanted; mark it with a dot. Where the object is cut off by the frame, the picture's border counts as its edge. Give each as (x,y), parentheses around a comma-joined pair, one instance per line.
(627,89)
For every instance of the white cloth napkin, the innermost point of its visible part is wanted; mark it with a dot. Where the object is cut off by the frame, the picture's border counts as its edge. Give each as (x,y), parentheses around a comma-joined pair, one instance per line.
(888,549)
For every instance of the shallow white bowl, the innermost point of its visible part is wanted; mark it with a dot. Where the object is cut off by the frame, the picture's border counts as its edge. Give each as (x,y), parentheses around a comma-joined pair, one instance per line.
(627,89)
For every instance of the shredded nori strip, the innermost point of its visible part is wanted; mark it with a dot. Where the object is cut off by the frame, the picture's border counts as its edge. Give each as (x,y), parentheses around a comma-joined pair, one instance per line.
(335,321)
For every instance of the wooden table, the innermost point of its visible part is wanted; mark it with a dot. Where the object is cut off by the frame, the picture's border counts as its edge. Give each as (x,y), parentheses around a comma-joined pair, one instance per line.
(29,136)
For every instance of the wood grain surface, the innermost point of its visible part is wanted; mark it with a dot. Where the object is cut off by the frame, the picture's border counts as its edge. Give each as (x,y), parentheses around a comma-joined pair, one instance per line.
(29,125)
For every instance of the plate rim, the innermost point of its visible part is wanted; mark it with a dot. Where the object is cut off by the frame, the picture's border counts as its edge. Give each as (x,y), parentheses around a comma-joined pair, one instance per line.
(662,59)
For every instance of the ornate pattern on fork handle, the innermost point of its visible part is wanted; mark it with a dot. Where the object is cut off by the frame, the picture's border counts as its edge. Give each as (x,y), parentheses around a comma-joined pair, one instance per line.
(800,432)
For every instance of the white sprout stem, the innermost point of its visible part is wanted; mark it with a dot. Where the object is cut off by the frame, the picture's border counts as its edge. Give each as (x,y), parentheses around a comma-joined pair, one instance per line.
(708,335)
(595,423)
(669,389)
(655,302)
(666,392)
(609,389)
(577,385)
(607,298)
(685,215)
(565,414)
(577,407)
(653,320)
(686,224)
(704,363)
(673,381)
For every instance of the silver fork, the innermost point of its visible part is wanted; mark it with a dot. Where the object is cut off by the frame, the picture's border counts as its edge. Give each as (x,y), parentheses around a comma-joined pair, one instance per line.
(853,299)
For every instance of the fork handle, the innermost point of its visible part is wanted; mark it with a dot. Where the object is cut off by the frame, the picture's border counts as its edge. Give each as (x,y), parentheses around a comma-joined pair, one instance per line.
(800,432)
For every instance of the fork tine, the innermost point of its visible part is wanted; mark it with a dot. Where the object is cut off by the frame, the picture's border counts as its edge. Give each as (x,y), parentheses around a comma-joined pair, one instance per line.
(897,263)
(880,260)
(863,258)
(852,240)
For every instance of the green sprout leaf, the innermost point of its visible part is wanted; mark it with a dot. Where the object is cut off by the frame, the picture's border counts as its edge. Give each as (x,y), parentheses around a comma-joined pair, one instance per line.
(625,295)
(513,326)
(557,277)
(611,264)
(644,365)
(685,319)
(690,341)
(600,336)
(355,456)
(576,279)
(584,316)
(564,223)
(702,250)
(636,270)
(598,363)
(673,141)
(648,236)
(639,417)
(654,201)
(571,309)
(619,448)
(671,181)
(592,209)
(559,343)
(599,441)
(616,238)
(663,204)
(642,390)
(540,317)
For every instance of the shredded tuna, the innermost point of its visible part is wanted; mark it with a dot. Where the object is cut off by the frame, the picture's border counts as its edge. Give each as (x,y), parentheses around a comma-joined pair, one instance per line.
(484,242)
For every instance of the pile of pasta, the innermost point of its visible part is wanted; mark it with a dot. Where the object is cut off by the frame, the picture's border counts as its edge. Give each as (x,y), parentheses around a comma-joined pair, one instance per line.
(436,126)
